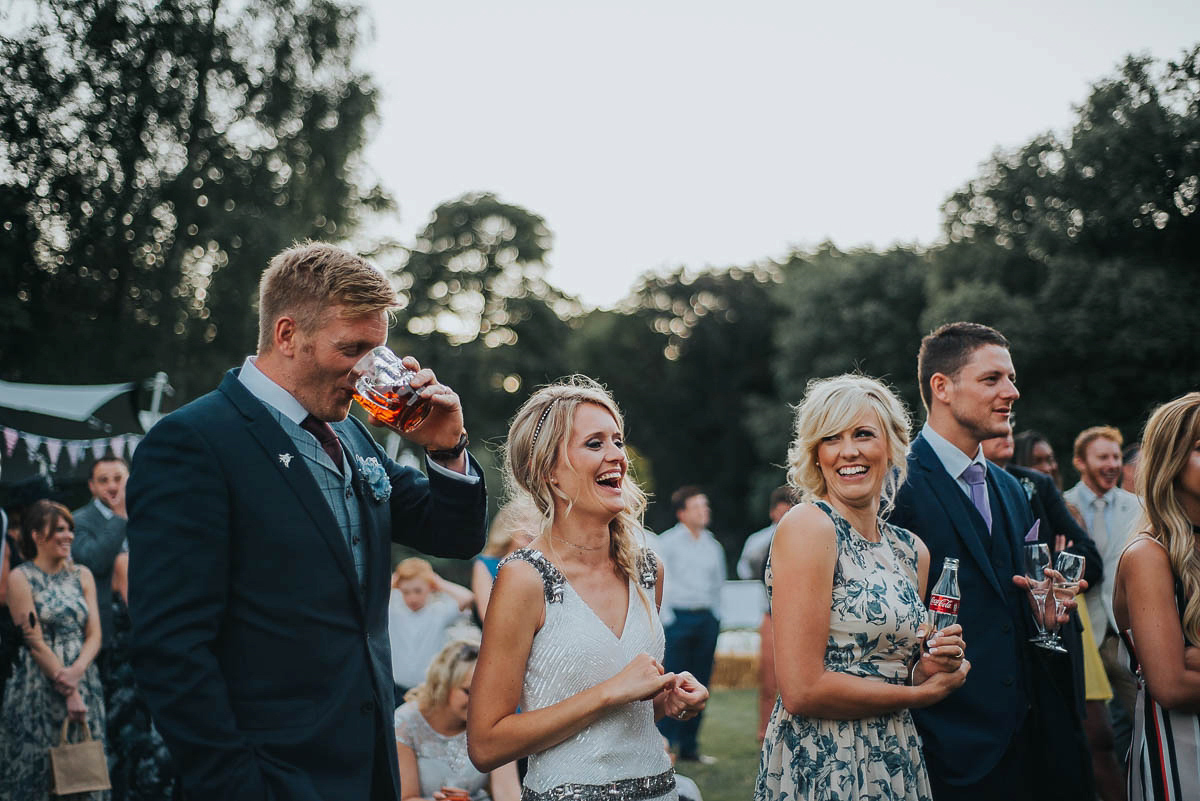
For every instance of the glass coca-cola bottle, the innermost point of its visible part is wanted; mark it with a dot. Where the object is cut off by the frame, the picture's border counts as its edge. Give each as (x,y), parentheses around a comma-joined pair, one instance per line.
(943,600)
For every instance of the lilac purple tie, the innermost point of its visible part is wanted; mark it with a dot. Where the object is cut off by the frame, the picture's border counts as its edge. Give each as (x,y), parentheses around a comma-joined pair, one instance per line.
(974,476)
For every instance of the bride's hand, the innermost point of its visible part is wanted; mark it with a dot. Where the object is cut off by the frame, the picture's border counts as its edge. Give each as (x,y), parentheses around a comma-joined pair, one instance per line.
(640,680)
(686,699)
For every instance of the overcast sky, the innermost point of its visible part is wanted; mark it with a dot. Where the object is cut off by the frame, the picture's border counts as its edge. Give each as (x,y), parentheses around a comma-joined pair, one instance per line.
(654,134)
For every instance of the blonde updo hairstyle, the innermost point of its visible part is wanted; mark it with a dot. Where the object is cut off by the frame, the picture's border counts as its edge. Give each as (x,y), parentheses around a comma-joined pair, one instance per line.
(537,440)
(447,671)
(1171,433)
(830,406)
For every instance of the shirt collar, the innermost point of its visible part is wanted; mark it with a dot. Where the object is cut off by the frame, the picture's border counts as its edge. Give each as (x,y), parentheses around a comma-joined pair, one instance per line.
(953,459)
(1089,496)
(104,510)
(270,393)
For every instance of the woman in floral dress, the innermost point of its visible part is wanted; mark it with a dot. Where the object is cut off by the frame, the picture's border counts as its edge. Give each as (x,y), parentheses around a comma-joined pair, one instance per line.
(53,601)
(846,591)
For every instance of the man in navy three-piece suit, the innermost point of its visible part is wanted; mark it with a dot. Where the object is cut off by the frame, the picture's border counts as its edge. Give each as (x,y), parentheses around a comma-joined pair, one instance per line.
(1012,731)
(260,549)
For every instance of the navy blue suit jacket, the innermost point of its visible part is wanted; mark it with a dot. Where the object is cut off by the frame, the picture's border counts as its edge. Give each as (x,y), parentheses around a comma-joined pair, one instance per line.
(264,662)
(966,734)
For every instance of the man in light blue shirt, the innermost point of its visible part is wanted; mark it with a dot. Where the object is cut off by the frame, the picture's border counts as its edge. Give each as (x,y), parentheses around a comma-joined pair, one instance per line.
(261,520)
(694,572)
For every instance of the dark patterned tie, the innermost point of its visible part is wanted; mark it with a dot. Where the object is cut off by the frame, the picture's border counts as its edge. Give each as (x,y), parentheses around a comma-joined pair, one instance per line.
(974,476)
(328,439)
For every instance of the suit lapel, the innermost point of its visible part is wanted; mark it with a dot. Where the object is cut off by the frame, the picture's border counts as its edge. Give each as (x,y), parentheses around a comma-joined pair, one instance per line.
(276,443)
(951,498)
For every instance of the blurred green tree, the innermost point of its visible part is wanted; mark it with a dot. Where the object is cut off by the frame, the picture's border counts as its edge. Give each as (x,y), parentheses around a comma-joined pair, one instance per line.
(850,311)
(479,311)
(689,358)
(156,156)
(1082,249)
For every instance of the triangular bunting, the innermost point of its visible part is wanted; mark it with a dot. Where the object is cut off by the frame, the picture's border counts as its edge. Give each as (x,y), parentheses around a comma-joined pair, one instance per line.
(74,451)
(98,446)
(54,448)
(32,443)
(10,440)
(131,443)
(118,447)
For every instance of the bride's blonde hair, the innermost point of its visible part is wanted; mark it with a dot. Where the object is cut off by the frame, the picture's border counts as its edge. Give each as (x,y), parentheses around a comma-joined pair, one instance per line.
(537,439)
(1171,433)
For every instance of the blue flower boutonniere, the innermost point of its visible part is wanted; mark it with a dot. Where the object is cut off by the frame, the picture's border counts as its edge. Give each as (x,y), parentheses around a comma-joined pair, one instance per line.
(1029,487)
(375,478)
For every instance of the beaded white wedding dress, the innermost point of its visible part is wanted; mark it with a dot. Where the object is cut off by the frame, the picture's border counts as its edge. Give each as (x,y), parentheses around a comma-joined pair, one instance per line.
(621,756)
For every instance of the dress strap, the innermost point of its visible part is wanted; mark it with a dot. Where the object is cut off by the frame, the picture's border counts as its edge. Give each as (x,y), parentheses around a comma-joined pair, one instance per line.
(553,580)
(1141,536)
(647,564)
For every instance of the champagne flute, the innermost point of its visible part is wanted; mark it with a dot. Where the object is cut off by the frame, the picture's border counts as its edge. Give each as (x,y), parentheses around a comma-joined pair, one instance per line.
(1037,559)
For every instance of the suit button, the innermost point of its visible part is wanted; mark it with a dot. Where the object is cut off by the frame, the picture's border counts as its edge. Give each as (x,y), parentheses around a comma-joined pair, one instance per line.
(355,540)
(349,494)
(367,707)
(363,587)
(1008,680)
(1006,628)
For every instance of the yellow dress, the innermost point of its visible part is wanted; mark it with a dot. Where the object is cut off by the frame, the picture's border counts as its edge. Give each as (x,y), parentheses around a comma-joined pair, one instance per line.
(1095,681)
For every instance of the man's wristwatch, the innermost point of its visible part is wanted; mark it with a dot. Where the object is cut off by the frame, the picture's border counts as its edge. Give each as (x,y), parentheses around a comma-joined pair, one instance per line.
(446,454)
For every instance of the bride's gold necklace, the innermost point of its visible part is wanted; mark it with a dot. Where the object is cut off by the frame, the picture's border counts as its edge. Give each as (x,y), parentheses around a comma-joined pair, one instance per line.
(580,547)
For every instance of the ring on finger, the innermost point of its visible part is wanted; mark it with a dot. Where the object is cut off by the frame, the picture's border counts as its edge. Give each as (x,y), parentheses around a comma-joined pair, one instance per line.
(960,653)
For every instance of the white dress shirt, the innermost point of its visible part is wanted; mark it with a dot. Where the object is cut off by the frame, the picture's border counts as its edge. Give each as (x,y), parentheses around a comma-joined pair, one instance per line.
(955,461)
(693,570)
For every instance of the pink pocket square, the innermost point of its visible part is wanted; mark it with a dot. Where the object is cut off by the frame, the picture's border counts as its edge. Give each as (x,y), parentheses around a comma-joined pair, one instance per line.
(1032,536)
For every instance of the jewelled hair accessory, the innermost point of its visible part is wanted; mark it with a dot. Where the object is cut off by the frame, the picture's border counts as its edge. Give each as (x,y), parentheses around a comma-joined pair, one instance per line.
(540,423)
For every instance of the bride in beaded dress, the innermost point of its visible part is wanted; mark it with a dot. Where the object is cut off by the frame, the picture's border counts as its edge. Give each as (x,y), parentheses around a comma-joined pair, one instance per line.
(572,636)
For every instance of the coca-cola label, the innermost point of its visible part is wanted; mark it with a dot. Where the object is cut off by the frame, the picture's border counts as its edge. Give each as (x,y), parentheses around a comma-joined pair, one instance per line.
(943,604)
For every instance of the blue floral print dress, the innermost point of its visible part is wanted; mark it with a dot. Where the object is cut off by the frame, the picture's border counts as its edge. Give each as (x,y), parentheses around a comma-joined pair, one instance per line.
(873,621)
(33,711)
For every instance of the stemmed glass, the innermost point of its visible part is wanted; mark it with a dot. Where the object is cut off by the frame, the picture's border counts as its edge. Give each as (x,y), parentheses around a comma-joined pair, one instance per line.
(1068,570)
(1037,560)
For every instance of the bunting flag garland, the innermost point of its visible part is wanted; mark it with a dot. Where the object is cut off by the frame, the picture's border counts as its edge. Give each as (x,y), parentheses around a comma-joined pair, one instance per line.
(121,445)
(32,443)
(54,448)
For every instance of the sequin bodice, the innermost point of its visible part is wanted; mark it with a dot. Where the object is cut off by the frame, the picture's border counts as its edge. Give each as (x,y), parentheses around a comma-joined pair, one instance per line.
(573,651)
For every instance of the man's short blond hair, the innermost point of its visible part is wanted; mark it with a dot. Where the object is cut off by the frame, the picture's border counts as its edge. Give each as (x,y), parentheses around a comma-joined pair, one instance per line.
(306,280)
(1089,435)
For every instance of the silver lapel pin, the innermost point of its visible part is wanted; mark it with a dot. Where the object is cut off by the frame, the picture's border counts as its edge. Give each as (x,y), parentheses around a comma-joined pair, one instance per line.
(285,459)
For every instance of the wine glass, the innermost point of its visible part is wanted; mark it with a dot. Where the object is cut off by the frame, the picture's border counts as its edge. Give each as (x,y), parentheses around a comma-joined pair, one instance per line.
(1068,570)
(1037,559)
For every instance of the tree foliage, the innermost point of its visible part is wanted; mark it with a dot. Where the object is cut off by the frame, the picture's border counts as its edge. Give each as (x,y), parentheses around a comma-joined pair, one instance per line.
(478,309)
(689,358)
(156,156)
(1082,249)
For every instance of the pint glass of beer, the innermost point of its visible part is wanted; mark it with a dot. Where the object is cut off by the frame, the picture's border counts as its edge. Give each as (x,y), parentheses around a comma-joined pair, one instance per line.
(383,389)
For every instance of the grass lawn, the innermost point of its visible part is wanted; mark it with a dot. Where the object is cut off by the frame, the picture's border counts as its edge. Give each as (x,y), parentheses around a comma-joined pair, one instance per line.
(728,733)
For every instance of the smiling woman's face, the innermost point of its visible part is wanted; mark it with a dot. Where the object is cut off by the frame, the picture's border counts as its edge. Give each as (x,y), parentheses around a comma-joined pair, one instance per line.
(593,464)
(854,461)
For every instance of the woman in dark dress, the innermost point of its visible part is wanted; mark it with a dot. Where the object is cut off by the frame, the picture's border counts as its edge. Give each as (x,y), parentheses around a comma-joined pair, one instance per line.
(1156,601)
